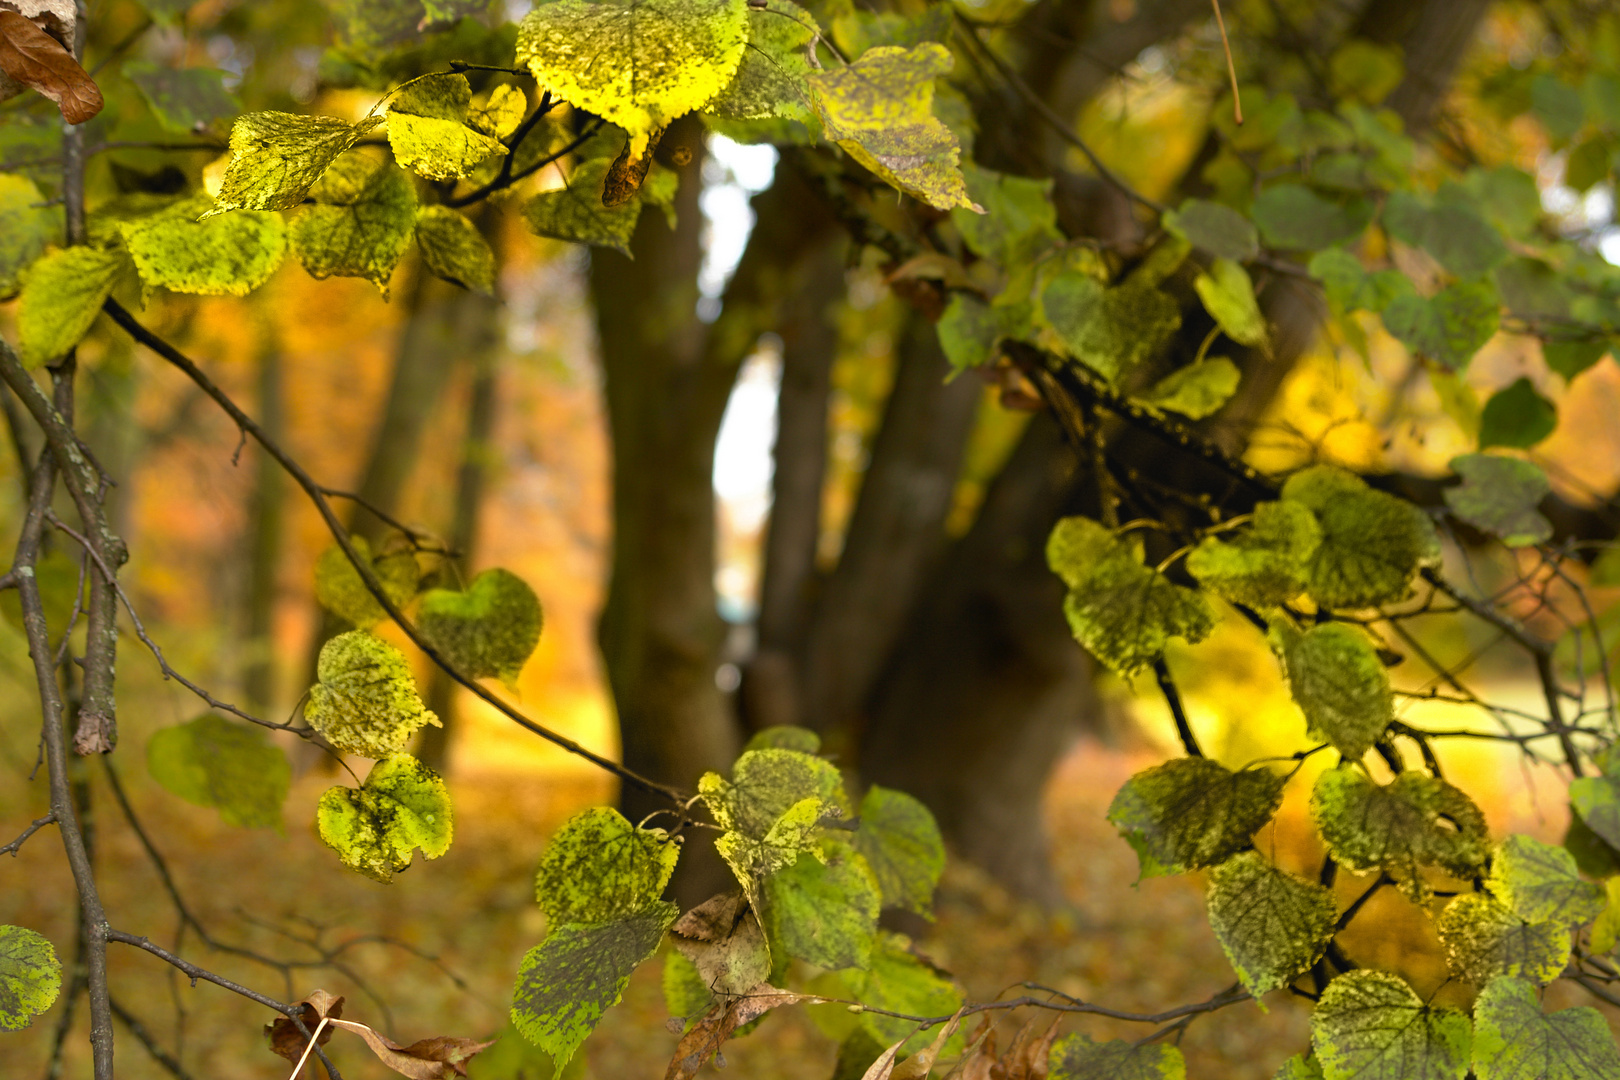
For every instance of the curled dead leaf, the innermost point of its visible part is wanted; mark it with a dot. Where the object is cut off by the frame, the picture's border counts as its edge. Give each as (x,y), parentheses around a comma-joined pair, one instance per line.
(438,1058)
(624,176)
(285,1038)
(704,1040)
(32,57)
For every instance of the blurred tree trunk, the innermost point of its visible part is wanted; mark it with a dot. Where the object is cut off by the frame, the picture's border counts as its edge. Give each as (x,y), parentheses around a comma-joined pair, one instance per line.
(264,534)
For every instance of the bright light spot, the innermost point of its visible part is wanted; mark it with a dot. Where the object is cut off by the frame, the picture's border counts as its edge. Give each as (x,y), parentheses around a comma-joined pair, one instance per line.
(1609,246)
(732,173)
(743,470)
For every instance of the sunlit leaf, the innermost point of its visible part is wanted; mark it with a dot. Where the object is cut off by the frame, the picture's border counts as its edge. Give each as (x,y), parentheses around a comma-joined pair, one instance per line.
(1340,683)
(30,976)
(403,805)
(1515,1040)
(1264,565)
(26,226)
(771,77)
(784,737)
(216,256)
(428,132)
(1197,390)
(753,858)
(569,980)
(362,220)
(1499,496)
(1228,296)
(879,109)
(491,629)
(1193,812)
(903,846)
(229,766)
(1400,827)
(277,157)
(1370,1025)
(1483,938)
(62,294)
(764,784)
(453,249)
(669,57)
(1372,542)
(501,113)
(598,867)
(365,701)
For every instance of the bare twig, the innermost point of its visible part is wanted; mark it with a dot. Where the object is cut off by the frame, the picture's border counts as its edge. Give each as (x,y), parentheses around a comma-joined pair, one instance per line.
(144,1037)
(33,827)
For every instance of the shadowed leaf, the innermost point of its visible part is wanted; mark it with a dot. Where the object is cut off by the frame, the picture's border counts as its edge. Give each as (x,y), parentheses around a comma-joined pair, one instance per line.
(231,767)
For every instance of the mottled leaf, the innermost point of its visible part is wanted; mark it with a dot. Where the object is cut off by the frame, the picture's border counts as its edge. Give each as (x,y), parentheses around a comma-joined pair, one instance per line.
(30,976)
(1515,1040)
(453,249)
(764,784)
(784,737)
(231,767)
(1597,800)
(1218,229)
(1272,924)
(1370,1025)
(598,867)
(569,980)
(880,110)
(1193,812)
(1019,220)
(824,913)
(1076,1057)
(1121,610)
(491,629)
(669,57)
(753,858)
(1455,235)
(1412,822)
(501,113)
(1110,330)
(1483,938)
(1372,542)
(276,157)
(1449,327)
(897,980)
(182,99)
(403,805)
(1264,565)
(215,256)
(902,844)
(1499,496)
(428,132)
(61,296)
(1340,683)
(576,213)
(1540,882)
(338,587)
(1197,390)
(1517,416)
(365,701)
(362,220)
(771,77)
(1300,1067)
(1228,296)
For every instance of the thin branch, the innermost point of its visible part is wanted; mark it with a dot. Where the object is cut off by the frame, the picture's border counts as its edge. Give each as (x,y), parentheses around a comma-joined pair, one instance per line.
(34,827)
(1172,697)
(362,566)
(144,1037)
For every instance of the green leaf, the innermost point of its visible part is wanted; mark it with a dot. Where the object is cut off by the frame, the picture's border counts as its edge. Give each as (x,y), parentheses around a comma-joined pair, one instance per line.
(1515,1040)
(686,991)
(1597,800)
(823,912)
(880,110)
(898,981)
(26,226)
(969,329)
(1264,565)
(901,843)
(784,737)
(453,249)
(277,157)
(30,976)
(1366,72)
(338,587)
(576,213)
(1372,542)
(1228,296)
(1122,611)
(403,805)
(1019,221)
(61,296)
(1218,229)
(771,77)
(1517,416)
(1300,1067)
(1533,290)
(1558,106)
(753,858)
(1483,938)
(1272,924)
(669,57)
(726,949)
(1297,219)
(1451,326)
(1197,390)
(1193,812)
(362,220)
(1499,496)
(365,701)
(231,767)
(598,867)
(569,980)
(1110,330)
(501,113)
(1458,238)
(182,99)
(428,132)
(1570,358)
(1370,1025)
(491,629)
(1606,929)
(764,785)
(1076,1057)
(1340,683)
(1162,260)
(184,251)
(1412,822)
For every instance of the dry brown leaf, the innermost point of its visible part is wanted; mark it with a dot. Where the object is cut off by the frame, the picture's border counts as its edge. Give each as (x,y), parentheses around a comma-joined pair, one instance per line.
(980,1056)
(285,1038)
(883,1067)
(438,1058)
(919,1065)
(34,58)
(1028,1057)
(704,1040)
(934,266)
(624,177)
(723,939)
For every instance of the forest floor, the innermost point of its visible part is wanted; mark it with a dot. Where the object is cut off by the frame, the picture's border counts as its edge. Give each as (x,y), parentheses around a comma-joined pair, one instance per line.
(1135,947)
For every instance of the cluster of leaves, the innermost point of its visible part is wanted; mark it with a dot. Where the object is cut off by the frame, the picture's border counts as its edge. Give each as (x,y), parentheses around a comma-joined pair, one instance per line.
(813,872)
